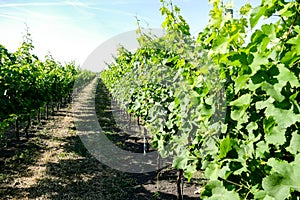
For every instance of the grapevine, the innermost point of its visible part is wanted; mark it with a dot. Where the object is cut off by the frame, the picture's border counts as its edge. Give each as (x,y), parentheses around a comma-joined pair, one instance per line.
(29,85)
(174,84)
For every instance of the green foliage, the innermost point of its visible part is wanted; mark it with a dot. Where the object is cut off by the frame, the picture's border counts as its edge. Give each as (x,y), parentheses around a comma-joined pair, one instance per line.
(174,83)
(82,78)
(26,83)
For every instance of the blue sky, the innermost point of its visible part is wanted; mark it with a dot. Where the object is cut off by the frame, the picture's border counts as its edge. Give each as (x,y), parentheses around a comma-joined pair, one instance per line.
(72,29)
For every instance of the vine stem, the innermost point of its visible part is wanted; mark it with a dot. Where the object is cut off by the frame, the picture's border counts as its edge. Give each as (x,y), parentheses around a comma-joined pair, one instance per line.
(247,194)
(240,185)
(179,177)
(292,25)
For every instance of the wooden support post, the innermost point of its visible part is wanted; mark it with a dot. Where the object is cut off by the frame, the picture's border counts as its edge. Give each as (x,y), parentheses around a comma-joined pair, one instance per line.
(47,110)
(28,125)
(17,128)
(39,115)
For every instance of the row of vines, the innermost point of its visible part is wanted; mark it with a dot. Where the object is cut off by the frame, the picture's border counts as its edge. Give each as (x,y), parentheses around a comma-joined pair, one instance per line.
(29,86)
(225,103)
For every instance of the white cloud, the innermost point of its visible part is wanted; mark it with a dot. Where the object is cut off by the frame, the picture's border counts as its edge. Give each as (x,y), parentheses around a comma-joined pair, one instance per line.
(31,4)
(12,17)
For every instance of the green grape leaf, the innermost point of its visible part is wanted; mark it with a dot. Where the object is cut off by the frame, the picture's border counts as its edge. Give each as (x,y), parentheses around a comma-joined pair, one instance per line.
(285,75)
(256,14)
(294,147)
(284,177)
(218,192)
(275,135)
(295,41)
(243,100)
(180,162)
(263,104)
(251,126)
(259,194)
(273,90)
(261,148)
(286,10)
(258,60)
(274,187)
(245,9)
(284,118)
(220,45)
(212,171)
(225,147)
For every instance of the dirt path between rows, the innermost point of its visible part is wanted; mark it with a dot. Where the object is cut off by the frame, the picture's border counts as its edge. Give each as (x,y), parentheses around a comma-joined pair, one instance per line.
(54,164)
